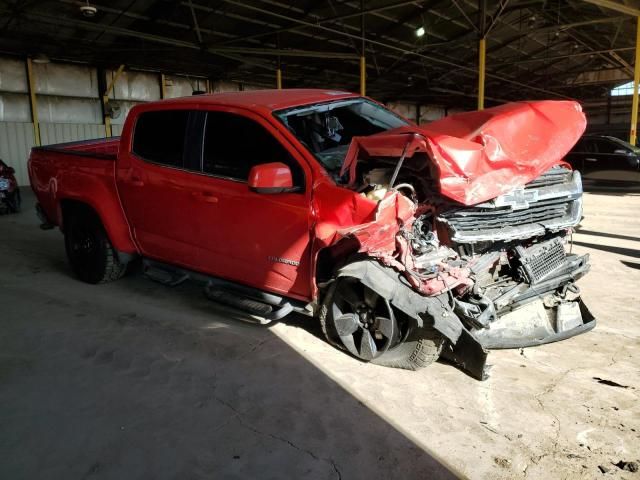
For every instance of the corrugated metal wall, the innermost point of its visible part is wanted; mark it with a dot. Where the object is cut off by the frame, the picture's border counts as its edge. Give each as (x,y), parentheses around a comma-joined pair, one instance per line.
(69,132)
(69,104)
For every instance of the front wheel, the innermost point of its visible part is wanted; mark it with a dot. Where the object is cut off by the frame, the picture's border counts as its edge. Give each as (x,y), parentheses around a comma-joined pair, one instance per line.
(355,318)
(90,253)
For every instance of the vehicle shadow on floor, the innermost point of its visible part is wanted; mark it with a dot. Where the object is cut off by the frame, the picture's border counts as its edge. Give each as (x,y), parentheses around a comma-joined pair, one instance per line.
(630,264)
(627,252)
(607,235)
(137,380)
(611,190)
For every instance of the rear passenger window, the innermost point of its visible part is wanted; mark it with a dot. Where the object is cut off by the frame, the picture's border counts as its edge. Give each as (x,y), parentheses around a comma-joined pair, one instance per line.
(233,144)
(160,136)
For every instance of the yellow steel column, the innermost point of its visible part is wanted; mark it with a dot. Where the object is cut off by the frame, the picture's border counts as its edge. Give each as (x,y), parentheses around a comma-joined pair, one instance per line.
(105,100)
(163,87)
(33,103)
(633,134)
(363,76)
(482,56)
(279,78)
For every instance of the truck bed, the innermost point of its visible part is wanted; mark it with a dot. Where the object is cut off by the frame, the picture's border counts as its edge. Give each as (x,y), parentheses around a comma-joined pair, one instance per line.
(84,172)
(103,148)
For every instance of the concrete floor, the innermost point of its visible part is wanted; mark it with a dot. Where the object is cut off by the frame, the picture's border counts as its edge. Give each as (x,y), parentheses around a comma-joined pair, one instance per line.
(133,380)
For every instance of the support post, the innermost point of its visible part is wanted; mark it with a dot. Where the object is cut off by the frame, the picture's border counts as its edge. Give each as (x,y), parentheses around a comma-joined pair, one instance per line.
(163,87)
(33,103)
(633,133)
(105,101)
(363,61)
(363,76)
(482,50)
(482,55)
(279,69)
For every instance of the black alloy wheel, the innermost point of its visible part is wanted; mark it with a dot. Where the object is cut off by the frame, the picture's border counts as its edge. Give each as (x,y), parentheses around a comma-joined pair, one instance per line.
(363,320)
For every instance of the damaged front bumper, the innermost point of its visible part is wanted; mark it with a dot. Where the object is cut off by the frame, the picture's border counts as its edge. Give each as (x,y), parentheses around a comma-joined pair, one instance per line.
(535,324)
(544,312)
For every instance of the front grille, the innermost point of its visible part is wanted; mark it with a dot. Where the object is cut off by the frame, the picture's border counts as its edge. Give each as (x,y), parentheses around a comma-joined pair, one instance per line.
(554,176)
(551,202)
(538,261)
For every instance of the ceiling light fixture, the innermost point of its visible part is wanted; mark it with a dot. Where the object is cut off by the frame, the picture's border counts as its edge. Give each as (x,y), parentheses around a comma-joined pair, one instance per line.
(88,10)
(420,32)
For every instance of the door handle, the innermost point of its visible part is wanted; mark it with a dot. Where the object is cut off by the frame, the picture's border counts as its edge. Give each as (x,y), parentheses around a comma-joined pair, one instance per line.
(208,197)
(589,159)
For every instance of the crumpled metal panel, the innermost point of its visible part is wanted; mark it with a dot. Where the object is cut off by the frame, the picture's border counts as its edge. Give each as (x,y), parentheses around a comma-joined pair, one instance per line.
(480,155)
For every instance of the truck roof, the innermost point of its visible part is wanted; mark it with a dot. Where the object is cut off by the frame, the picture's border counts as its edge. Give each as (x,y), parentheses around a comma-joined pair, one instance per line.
(267,99)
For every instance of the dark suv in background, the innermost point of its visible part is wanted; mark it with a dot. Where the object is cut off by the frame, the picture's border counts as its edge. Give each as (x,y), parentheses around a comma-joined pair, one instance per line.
(606,161)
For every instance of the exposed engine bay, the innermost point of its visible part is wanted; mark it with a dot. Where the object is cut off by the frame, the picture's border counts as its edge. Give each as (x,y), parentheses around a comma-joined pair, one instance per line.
(501,266)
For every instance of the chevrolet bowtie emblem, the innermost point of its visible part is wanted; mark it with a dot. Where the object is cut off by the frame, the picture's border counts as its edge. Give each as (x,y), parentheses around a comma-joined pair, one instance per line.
(517,199)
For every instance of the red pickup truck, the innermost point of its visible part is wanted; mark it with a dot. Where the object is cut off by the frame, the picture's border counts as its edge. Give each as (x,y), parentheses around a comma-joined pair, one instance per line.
(406,242)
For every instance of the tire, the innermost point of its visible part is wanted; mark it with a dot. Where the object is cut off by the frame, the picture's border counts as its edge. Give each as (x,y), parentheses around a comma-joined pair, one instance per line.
(421,348)
(418,347)
(14,202)
(90,253)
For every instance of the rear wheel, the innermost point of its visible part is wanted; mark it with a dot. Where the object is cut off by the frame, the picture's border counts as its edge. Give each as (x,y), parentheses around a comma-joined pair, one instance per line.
(355,318)
(90,253)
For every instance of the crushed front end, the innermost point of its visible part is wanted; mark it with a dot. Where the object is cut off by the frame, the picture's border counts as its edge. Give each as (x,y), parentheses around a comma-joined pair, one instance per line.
(524,281)
(471,232)
(499,274)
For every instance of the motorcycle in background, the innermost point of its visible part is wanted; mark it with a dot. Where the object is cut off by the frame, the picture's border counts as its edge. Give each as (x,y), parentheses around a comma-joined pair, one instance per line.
(9,192)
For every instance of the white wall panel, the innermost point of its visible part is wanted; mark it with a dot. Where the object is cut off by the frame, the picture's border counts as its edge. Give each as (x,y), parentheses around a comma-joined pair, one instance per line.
(51,133)
(69,110)
(116,130)
(66,80)
(16,140)
(176,86)
(137,86)
(14,107)
(13,75)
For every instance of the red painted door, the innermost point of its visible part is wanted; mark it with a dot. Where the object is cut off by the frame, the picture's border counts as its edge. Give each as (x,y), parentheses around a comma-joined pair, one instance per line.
(188,202)
(262,239)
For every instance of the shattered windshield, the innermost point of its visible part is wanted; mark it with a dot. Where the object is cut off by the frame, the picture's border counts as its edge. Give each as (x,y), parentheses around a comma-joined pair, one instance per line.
(326,129)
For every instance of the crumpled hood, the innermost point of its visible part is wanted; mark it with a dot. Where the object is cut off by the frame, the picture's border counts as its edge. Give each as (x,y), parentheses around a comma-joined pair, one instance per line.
(480,155)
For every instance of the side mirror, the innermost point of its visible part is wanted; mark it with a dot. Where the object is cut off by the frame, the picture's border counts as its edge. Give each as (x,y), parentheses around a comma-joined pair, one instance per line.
(271,178)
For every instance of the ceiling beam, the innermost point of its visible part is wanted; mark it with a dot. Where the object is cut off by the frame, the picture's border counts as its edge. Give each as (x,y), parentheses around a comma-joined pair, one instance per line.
(618,7)
(450,63)
(57,20)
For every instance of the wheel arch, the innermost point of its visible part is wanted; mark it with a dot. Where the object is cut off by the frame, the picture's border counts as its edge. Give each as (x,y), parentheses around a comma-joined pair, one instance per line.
(70,206)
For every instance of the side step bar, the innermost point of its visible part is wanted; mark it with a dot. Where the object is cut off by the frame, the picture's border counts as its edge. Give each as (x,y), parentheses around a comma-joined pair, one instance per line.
(272,313)
(165,276)
(240,297)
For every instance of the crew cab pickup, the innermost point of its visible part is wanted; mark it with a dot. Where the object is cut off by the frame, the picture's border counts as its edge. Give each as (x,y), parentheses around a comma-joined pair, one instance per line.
(406,242)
